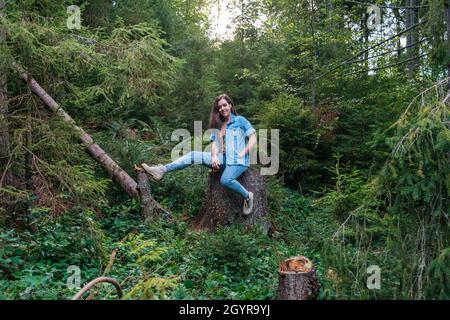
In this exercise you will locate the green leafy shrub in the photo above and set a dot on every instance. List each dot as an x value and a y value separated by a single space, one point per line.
298 138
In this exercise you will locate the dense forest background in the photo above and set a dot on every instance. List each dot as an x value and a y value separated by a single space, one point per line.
364 173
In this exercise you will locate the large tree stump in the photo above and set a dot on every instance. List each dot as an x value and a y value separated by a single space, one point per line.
297 280
222 206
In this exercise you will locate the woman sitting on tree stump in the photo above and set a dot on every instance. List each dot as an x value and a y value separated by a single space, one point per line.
229 151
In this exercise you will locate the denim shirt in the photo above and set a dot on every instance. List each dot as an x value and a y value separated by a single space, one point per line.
236 132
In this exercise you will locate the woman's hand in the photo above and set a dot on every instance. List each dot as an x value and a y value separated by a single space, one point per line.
215 162
249 146
214 159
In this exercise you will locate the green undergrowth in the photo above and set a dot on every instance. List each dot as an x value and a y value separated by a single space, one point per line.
160 259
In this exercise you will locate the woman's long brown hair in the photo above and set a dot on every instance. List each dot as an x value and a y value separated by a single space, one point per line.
215 118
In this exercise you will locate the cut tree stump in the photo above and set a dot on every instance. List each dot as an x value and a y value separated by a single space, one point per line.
297 280
222 206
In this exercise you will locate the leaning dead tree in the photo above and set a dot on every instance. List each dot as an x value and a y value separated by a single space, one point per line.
297 280
117 174
222 206
150 208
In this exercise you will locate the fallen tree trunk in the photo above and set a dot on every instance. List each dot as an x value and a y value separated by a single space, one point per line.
297 280
222 206
116 172
150 208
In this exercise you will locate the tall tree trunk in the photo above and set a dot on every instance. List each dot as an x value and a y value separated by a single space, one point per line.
117 173
365 39
412 19
398 29
333 26
408 35
447 10
314 55
6 177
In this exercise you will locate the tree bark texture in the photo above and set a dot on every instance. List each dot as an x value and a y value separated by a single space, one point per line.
150 208
297 280
222 206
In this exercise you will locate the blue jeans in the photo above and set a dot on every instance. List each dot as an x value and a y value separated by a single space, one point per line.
230 172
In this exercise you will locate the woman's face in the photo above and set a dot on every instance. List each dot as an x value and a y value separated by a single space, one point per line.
224 108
